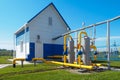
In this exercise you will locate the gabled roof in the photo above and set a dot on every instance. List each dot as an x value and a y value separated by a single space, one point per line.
40 13
44 9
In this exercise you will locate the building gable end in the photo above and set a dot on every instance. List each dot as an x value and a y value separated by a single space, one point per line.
55 10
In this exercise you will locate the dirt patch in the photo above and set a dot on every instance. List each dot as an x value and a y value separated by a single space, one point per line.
85 71
78 71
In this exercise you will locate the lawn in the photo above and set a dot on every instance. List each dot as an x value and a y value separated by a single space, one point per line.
65 75
49 72
4 59
112 63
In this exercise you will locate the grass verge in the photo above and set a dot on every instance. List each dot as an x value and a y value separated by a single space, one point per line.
50 72
112 63
4 59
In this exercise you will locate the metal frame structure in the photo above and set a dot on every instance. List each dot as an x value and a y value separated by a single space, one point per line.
95 25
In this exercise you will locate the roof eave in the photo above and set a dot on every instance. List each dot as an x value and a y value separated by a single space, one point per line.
21 28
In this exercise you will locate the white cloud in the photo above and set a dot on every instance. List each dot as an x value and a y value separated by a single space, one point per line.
115 37
105 38
101 39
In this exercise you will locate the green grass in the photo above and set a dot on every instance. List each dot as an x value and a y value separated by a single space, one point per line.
4 59
27 69
49 72
64 75
112 63
115 64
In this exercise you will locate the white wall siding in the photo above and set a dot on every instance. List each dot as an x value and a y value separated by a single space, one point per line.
27 49
39 26
25 52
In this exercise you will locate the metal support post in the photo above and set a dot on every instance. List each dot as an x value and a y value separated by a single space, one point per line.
21 63
34 62
108 44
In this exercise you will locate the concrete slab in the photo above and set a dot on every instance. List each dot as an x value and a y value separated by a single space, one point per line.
4 65
19 62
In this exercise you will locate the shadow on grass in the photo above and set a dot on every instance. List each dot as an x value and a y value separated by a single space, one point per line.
28 71
99 61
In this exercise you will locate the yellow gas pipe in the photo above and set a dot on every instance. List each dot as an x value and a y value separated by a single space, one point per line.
73 65
95 49
18 59
40 59
65 47
80 37
55 57
79 44
64 64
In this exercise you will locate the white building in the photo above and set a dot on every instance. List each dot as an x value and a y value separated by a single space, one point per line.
34 39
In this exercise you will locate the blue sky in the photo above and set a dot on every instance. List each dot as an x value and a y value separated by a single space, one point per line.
15 13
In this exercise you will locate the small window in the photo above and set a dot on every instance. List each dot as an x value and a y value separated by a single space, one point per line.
50 21
21 46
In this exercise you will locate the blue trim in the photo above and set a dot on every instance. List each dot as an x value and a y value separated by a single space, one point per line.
27 29
20 36
32 52
44 9
20 33
52 49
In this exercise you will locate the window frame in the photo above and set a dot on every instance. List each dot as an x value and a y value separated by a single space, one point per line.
50 21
